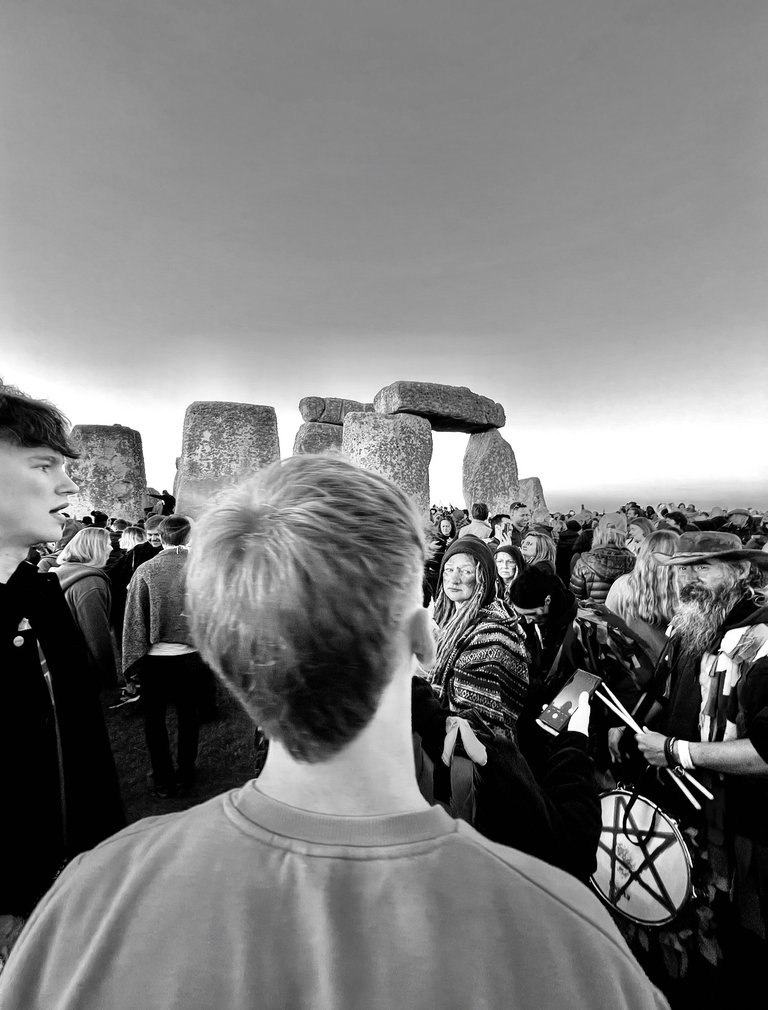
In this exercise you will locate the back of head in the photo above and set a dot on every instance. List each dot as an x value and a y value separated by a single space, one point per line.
131 537
651 593
296 583
534 585
100 519
28 423
118 525
90 546
174 530
480 511
153 522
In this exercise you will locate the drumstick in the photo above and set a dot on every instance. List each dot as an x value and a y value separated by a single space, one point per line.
619 708
624 715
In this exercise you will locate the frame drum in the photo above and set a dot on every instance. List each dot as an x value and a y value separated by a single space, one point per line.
643 864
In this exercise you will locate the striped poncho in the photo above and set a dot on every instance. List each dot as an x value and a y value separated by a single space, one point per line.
487 670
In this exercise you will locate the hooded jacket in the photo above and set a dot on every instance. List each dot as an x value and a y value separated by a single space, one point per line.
596 571
87 592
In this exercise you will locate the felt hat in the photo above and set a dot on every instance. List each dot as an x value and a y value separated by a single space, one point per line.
738 512
710 545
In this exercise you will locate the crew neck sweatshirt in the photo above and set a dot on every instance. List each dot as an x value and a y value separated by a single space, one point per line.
244 901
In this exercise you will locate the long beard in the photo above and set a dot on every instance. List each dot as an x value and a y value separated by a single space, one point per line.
698 619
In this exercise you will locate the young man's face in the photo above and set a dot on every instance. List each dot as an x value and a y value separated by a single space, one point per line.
521 518
33 491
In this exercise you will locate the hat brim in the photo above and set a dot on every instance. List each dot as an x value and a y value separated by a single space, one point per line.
759 558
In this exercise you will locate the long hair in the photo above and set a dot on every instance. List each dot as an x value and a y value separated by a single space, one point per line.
652 588
608 536
90 546
453 623
546 549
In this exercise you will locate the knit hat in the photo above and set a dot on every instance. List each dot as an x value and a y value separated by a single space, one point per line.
531 588
475 549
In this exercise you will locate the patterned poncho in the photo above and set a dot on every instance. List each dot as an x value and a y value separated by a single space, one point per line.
487 670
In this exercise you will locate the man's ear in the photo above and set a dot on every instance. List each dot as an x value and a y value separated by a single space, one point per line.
421 637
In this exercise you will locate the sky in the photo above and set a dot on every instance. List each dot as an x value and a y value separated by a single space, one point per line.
562 204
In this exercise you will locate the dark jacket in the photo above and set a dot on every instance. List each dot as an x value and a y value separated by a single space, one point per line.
33 842
87 592
120 575
565 547
596 571
555 817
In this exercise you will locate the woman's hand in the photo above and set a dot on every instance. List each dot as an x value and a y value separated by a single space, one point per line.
614 742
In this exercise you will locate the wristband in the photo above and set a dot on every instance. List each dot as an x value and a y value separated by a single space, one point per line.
684 750
669 754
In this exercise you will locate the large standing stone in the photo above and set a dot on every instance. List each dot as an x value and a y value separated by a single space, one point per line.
329 409
447 408
398 447
222 443
489 473
315 437
530 491
110 472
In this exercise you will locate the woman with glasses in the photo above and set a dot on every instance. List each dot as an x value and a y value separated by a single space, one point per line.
481 662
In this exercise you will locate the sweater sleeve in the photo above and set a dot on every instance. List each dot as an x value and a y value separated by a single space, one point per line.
136 625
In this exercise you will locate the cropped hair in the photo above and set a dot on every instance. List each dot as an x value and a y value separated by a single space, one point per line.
118 525
174 530
608 536
131 537
90 546
546 549
652 588
480 510
152 522
296 581
517 505
29 424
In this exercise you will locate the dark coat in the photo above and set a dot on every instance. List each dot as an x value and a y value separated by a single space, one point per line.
555 817
34 842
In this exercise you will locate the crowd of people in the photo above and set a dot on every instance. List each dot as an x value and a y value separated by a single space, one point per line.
416 835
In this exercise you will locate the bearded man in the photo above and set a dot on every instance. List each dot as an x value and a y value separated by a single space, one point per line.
716 718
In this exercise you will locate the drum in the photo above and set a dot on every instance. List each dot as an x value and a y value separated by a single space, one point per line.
643 864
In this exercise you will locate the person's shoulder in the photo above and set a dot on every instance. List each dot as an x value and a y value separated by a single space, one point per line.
556 894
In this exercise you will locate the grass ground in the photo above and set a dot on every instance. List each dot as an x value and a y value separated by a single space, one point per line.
225 758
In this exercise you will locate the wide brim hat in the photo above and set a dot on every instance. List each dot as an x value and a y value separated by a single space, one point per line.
712 545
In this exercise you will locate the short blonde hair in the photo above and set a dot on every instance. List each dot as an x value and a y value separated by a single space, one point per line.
90 546
295 581
131 537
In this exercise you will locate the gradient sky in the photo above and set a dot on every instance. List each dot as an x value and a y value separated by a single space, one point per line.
559 203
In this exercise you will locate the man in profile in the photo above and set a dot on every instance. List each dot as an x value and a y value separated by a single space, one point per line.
329 882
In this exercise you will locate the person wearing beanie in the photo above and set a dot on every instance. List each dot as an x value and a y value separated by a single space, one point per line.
481 662
509 564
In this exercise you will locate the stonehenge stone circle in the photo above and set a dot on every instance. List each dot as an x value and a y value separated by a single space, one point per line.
110 472
530 491
447 408
222 443
397 447
489 472
329 409
314 436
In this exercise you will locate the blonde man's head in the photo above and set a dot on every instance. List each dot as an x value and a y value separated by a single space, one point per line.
296 583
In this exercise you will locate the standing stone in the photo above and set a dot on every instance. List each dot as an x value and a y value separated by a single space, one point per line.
110 472
315 437
222 443
447 408
329 409
530 491
398 447
489 473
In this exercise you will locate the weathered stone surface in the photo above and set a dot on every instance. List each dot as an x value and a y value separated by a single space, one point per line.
489 472
330 409
223 443
315 437
398 447
110 472
447 408
531 493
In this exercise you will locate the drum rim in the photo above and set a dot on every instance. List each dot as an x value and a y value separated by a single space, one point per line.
688 860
